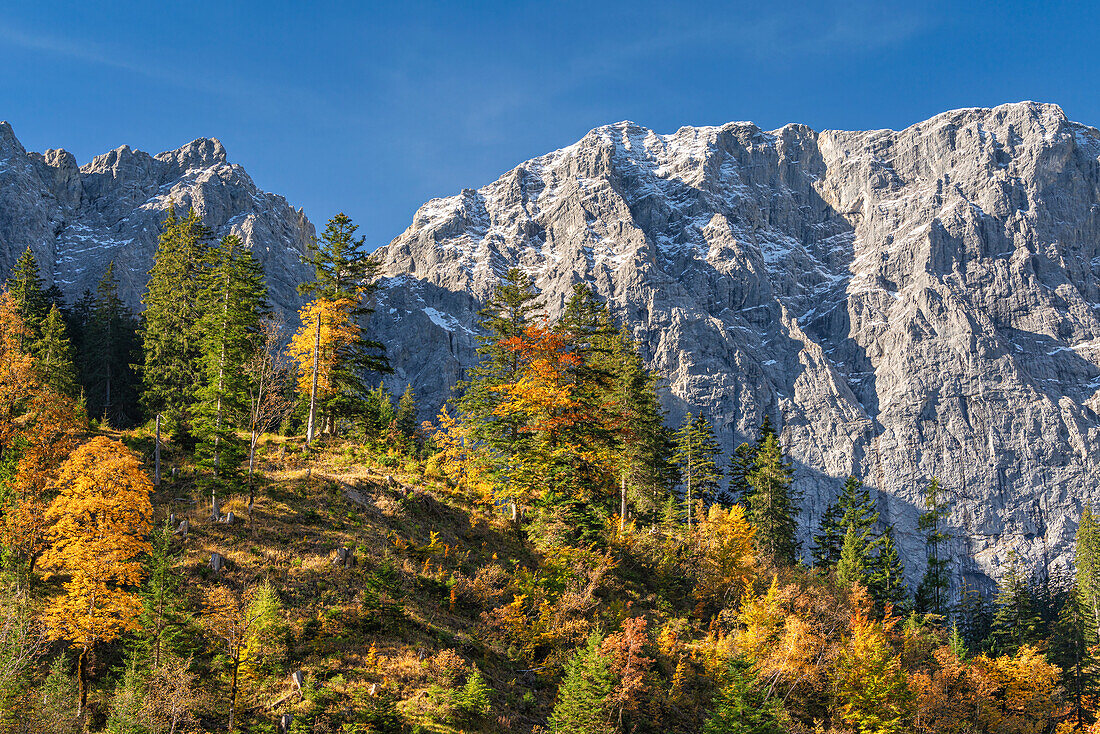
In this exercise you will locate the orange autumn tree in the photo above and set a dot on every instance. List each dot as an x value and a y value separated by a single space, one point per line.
566 465
872 688
320 347
38 428
99 523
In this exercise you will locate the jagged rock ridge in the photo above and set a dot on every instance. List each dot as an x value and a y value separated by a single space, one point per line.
77 220
905 304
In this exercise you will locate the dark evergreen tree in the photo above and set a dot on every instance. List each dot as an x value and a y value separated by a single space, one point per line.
932 592
975 619
887 574
170 333
1073 649
742 462
644 451
773 502
1015 621
54 355
742 705
852 566
378 412
854 507
233 301
109 349
343 269
405 416
581 706
1087 563
696 456
25 286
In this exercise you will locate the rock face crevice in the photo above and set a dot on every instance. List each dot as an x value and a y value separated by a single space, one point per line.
77 220
905 304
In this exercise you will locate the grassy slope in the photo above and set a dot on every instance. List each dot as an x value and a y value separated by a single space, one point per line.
411 535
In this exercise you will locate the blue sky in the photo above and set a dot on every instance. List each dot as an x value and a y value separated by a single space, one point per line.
373 108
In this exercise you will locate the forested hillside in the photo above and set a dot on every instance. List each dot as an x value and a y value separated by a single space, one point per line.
213 520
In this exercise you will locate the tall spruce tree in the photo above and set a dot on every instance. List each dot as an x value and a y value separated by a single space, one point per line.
854 507
109 349
932 592
742 461
343 269
974 618
1015 620
513 306
1073 649
582 703
54 355
773 504
233 300
887 574
643 450
170 331
405 416
1087 562
851 568
696 455
25 286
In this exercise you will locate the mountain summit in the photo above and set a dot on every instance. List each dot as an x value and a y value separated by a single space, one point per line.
904 304
77 220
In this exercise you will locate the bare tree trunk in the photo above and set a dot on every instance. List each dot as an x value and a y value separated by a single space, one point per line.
233 690
313 390
81 676
157 454
622 512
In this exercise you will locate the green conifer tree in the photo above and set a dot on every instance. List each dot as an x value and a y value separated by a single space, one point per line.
109 349
581 705
887 574
406 414
513 306
742 461
1073 649
1087 562
852 566
773 502
344 269
854 507
233 301
1015 621
25 286
696 455
643 448
164 619
742 705
54 355
932 592
171 335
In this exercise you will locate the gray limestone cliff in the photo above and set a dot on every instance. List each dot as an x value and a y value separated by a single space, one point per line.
77 220
905 304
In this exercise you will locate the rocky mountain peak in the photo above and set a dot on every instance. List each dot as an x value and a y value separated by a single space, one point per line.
904 304
77 220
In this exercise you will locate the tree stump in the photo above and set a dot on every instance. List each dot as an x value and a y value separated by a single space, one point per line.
217 562
229 518
284 723
297 679
184 526
344 557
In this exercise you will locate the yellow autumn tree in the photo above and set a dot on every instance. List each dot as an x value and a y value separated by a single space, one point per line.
98 527
872 688
38 429
725 554
327 334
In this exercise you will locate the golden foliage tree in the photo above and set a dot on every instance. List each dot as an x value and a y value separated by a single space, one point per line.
319 347
725 554
38 429
871 686
98 527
